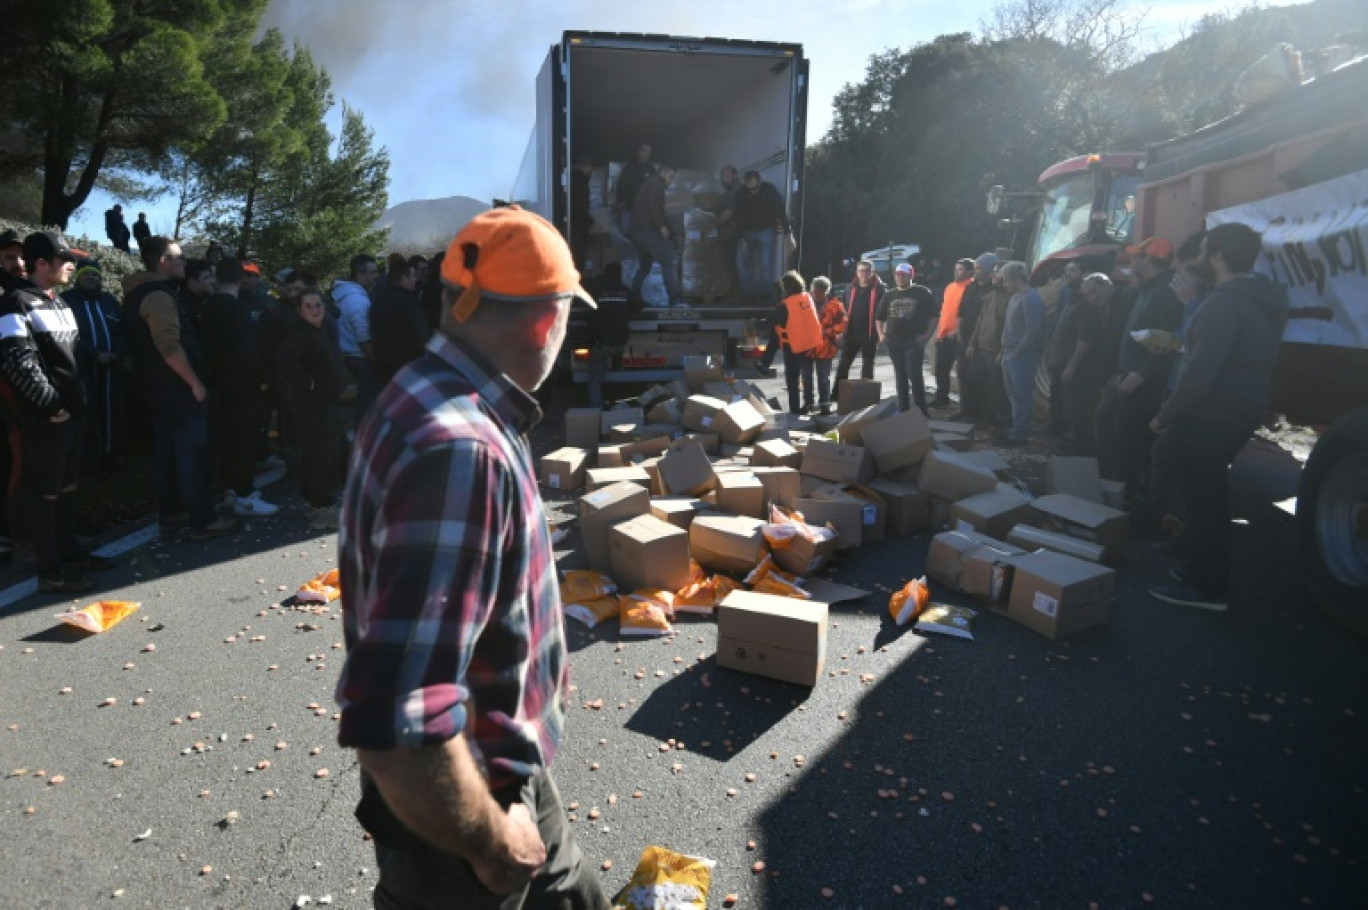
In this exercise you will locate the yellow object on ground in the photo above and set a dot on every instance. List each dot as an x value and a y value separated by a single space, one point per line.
100 616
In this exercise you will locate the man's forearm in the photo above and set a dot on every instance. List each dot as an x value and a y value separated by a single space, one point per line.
438 793
180 365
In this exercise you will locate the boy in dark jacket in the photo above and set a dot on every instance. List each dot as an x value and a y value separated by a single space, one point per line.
99 350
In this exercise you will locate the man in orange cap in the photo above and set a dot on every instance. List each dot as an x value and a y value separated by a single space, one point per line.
456 671
1132 398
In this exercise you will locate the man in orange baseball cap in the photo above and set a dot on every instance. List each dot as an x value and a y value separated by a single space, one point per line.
456 666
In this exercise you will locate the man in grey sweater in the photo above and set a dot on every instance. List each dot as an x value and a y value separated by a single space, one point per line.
1223 388
1023 344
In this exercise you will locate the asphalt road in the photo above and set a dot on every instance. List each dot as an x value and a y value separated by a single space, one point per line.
1173 758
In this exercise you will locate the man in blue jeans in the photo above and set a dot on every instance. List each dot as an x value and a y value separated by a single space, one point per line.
1023 344
906 318
761 219
653 238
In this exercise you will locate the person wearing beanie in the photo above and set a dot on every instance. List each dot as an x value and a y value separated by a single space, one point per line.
99 353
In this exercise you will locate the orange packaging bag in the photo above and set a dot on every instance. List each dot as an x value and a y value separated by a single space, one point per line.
100 616
321 590
909 601
646 612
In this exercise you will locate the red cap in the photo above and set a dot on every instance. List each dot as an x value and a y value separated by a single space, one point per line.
510 254
251 268
1157 247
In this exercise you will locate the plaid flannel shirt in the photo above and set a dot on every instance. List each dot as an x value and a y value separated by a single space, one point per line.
452 612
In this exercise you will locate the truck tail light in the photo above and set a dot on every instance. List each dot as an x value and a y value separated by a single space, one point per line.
750 353
581 355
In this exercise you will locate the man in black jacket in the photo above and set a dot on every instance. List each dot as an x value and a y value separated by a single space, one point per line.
974 393
1223 388
98 352
654 240
399 327
42 397
762 221
862 332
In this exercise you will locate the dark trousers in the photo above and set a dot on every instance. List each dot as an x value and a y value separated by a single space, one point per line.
49 464
363 371
1149 506
105 387
1124 438
241 419
323 447
417 876
730 242
822 367
771 347
1059 421
1203 450
181 461
946 349
865 347
1079 400
907 356
983 391
798 370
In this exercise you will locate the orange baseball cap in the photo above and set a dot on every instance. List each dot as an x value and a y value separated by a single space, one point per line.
510 254
251 268
1157 247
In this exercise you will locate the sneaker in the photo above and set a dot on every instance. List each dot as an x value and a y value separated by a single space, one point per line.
1185 595
64 582
825 409
324 518
254 506
216 528
270 463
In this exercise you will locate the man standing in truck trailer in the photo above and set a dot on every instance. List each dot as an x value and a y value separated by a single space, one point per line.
1223 390
653 238
762 221
634 174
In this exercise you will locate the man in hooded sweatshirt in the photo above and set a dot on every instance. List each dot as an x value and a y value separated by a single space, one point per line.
1223 388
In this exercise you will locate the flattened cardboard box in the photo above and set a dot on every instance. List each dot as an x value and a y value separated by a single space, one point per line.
782 485
778 637
646 552
700 411
776 453
583 428
1058 596
835 461
948 477
853 394
619 417
898 441
727 543
598 478
993 513
679 511
978 566
1085 520
686 471
741 493
852 425
1076 475
738 423
564 468
600 510
908 507
1031 539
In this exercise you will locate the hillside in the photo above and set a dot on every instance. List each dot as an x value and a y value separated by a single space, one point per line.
427 225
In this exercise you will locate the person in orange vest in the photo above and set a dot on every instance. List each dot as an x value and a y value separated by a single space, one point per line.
947 341
801 335
832 314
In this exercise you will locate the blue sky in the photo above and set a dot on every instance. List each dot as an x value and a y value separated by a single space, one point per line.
447 85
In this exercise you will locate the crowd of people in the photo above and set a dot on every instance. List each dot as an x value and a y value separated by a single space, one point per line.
232 380
1162 386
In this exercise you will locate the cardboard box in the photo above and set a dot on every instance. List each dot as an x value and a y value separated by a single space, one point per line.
1090 521
564 468
803 556
600 510
698 375
975 565
782 485
700 411
1076 475
686 471
727 543
598 478
951 478
583 428
609 456
739 423
952 442
619 417
852 425
667 411
898 441
652 468
709 441
853 394
679 511
835 461
993 513
741 493
637 452
778 637
735 452
951 426
647 552
624 433
1058 596
653 396
986 458
908 507
1031 539
1114 493
720 389
873 510
775 453
846 515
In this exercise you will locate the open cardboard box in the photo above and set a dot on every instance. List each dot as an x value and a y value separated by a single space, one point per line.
602 509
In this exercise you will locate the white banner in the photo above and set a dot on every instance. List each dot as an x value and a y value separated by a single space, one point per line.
1315 244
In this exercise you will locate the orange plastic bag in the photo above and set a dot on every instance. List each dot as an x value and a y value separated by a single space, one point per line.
321 590
906 604
646 612
100 616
